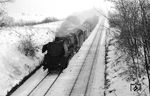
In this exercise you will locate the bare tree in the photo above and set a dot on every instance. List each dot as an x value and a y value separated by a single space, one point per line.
145 23
132 19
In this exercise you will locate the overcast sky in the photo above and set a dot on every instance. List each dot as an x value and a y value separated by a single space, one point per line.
32 9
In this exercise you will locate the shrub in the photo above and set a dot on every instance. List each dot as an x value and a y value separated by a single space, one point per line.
27 47
115 20
6 21
49 19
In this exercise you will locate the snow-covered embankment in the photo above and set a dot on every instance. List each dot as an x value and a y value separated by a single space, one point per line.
15 60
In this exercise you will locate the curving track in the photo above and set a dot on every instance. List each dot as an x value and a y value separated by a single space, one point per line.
45 84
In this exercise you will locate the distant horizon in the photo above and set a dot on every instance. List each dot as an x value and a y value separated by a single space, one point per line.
38 10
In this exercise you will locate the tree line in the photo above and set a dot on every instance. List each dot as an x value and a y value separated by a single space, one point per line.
132 18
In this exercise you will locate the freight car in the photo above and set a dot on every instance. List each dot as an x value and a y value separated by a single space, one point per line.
62 49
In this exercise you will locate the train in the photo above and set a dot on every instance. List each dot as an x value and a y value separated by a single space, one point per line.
63 48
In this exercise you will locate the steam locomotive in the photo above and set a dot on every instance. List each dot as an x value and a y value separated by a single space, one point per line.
61 50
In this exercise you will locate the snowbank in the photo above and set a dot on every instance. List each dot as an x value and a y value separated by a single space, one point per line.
14 64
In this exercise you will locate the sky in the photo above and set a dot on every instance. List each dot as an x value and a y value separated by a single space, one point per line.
37 9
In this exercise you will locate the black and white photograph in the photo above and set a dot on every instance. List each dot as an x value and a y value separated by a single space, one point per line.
74 47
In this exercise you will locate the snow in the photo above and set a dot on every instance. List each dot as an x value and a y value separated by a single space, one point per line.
30 83
14 65
53 26
118 85
66 80
44 86
97 88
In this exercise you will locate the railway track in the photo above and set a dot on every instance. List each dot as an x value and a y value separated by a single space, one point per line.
80 85
44 85
30 87
82 81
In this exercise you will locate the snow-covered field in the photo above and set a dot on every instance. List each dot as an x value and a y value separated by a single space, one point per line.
14 63
53 26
